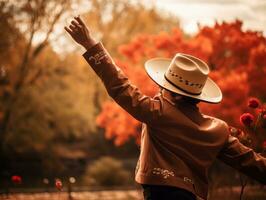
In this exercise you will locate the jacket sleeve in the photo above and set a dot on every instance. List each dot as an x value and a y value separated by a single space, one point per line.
118 86
243 159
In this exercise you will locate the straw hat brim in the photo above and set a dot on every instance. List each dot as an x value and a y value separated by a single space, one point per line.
156 69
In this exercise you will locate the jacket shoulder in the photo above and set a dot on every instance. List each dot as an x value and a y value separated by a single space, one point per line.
220 127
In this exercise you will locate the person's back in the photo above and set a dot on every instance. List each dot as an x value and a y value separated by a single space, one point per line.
179 146
178 143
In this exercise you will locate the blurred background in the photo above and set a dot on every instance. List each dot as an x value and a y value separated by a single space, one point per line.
60 133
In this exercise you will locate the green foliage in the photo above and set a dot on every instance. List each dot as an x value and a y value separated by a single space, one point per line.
59 106
107 171
52 100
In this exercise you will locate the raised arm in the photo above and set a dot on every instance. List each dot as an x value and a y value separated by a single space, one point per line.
244 159
128 96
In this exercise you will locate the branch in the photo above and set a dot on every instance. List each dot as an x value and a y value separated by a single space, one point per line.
36 76
44 43
26 56
23 68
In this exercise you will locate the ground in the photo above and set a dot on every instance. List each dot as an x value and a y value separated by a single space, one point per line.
251 193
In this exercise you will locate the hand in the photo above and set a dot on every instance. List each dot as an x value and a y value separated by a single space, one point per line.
80 33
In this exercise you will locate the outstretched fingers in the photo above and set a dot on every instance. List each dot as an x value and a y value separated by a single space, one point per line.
79 20
72 27
68 30
75 23
75 27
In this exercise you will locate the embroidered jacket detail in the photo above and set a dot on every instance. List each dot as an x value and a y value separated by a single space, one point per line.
164 172
98 57
186 179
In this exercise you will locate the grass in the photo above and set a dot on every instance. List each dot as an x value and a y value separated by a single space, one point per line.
251 193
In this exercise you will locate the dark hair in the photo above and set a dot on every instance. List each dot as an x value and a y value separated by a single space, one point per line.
179 97
185 98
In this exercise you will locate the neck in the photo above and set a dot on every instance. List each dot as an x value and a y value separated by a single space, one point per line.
179 99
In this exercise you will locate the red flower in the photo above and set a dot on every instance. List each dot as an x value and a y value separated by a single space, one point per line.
261 110
253 103
246 119
16 179
58 184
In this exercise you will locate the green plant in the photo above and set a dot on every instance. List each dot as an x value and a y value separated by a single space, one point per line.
106 171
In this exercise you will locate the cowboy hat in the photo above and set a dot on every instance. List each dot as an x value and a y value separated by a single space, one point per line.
185 75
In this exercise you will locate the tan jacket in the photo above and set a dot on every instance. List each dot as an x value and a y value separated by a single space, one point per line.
178 143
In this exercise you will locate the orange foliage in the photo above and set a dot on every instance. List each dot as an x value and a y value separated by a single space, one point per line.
237 60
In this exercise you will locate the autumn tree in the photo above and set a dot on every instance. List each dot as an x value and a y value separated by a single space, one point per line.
32 16
49 101
23 22
237 59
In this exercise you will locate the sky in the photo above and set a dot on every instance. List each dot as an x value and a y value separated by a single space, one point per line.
206 12
192 12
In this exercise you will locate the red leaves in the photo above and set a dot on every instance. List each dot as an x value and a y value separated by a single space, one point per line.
235 92
16 179
115 121
163 41
237 59
247 119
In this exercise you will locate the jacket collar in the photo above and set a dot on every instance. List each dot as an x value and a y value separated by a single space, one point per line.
190 111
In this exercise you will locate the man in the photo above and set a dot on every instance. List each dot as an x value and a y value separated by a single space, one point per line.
178 143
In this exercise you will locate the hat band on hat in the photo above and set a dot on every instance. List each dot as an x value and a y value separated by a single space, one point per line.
182 89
